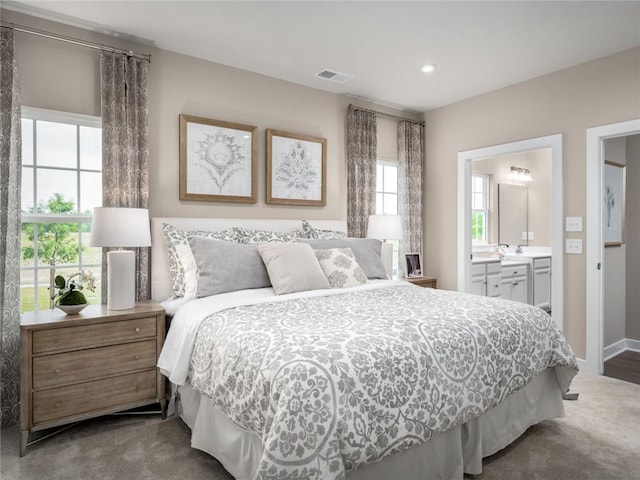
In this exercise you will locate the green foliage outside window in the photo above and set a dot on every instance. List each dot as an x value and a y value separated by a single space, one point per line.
477 227
56 244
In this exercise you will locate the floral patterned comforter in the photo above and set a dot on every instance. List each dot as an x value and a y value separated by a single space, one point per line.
332 383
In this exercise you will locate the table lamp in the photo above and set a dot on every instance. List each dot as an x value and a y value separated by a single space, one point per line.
385 227
120 227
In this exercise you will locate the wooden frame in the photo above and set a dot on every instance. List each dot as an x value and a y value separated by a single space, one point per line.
296 169
218 160
413 263
614 204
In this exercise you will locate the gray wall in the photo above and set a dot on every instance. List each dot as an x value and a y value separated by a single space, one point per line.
65 77
633 239
568 101
614 265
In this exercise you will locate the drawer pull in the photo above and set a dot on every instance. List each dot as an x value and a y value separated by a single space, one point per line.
137 357
57 370
137 329
58 404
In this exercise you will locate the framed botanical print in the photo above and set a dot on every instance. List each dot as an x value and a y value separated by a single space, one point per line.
614 204
218 160
296 169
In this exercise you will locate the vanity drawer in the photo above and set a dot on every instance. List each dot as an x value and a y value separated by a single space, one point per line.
542 262
493 267
84 336
57 403
477 269
83 365
514 271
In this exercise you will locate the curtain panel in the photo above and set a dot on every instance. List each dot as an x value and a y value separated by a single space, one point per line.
361 169
125 148
410 158
10 168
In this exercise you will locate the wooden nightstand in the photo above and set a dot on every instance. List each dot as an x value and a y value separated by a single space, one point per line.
75 367
427 282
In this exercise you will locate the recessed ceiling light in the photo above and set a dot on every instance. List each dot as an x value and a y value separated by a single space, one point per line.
428 68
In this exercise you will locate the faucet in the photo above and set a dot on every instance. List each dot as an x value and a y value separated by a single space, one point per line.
519 249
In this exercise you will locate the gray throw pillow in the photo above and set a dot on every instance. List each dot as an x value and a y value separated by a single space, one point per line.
292 267
366 251
227 267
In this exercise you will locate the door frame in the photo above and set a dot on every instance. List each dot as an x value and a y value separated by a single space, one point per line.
554 142
594 245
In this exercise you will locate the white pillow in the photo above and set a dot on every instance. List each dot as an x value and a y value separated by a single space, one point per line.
292 267
340 267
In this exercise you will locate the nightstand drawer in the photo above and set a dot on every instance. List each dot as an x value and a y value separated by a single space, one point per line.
82 398
85 336
83 365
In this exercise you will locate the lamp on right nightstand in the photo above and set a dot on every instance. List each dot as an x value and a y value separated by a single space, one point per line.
385 227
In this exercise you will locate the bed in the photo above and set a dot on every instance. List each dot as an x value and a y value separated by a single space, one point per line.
357 379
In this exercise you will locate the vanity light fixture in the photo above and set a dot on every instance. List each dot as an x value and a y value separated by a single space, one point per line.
428 68
520 174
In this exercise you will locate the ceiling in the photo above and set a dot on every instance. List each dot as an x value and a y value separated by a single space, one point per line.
476 46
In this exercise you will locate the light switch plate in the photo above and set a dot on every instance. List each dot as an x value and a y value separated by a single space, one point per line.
573 224
530 236
573 245
524 235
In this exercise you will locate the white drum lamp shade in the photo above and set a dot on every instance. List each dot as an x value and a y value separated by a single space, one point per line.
118 227
385 227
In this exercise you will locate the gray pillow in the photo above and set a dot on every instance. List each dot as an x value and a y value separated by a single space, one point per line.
292 267
227 267
366 251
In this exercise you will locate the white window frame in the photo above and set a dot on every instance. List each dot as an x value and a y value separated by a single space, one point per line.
484 211
386 163
78 120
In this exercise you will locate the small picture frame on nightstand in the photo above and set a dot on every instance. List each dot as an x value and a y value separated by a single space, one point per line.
414 265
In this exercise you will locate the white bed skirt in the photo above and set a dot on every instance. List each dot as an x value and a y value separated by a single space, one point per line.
448 456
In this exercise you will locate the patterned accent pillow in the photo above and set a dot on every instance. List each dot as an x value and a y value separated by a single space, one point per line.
317 233
340 267
252 236
182 266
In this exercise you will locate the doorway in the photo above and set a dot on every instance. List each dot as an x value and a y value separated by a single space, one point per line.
594 238
465 159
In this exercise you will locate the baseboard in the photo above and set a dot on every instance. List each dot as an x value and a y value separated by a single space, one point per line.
619 347
633 345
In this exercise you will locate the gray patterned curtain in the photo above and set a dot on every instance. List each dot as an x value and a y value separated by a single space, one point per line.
410 158
361 169
10 169
125 148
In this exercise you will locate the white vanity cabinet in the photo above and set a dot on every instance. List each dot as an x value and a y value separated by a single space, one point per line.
514 282
541 291
486 278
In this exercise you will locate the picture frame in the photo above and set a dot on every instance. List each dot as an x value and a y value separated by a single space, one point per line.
218 160
413 265
296 169
613 210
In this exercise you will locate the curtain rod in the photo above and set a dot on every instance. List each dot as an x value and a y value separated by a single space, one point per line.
75 41
355 107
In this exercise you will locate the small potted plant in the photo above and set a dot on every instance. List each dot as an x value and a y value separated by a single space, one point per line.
67 295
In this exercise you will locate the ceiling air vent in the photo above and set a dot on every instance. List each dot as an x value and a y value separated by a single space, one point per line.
334 76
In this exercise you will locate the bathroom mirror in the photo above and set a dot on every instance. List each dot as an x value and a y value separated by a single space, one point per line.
512 214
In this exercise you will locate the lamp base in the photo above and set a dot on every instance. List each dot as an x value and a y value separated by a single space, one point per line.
386 255
121 280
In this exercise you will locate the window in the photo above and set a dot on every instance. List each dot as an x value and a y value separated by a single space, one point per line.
61 183
386 188
387 198
479 208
